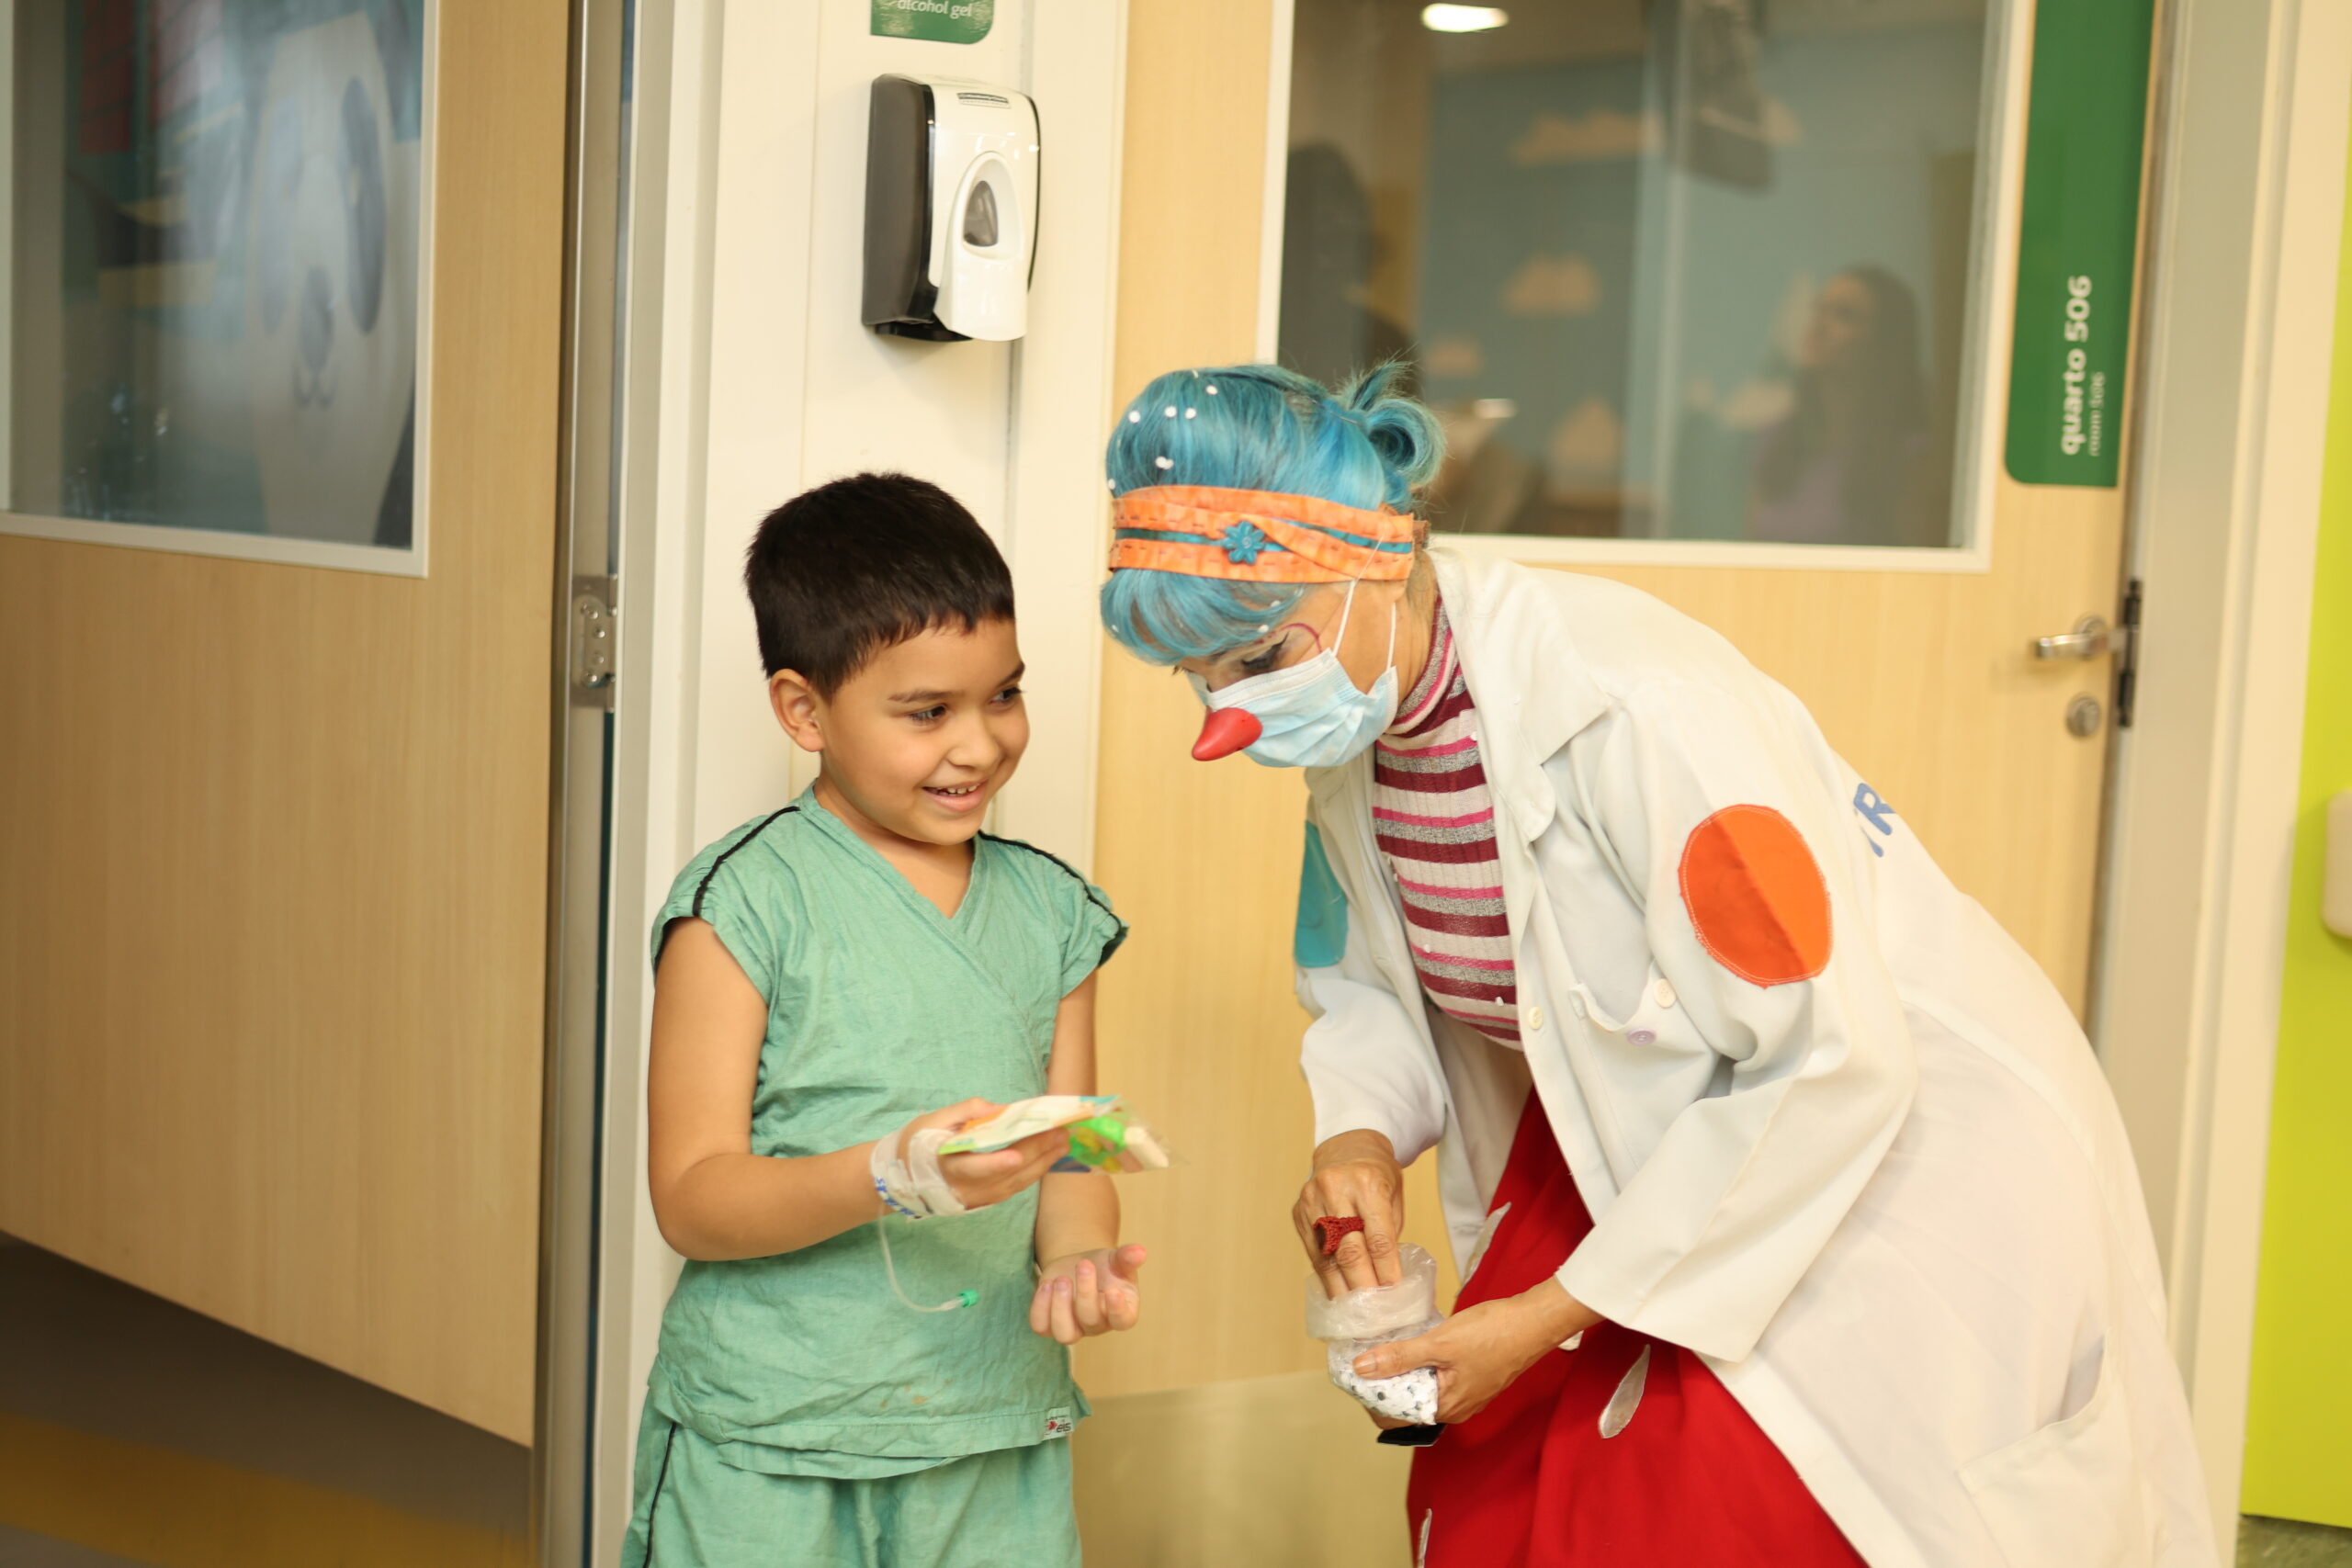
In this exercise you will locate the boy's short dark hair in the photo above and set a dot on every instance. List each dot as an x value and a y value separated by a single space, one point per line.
841 572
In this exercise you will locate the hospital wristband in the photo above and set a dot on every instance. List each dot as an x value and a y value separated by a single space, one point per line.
882 1191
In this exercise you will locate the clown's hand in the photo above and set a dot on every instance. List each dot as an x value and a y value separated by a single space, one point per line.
1356 1176
1481 1351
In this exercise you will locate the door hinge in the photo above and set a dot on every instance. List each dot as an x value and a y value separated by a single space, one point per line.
596 640
2127 656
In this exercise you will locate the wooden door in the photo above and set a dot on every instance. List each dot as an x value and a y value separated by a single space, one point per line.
1215 1421
1924 683
274 836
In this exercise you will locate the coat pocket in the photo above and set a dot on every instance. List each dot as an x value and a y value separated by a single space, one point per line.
2069 1494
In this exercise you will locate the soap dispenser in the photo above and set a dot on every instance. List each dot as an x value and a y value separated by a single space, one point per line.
950 210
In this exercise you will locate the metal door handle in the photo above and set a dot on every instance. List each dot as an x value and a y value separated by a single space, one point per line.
2087 640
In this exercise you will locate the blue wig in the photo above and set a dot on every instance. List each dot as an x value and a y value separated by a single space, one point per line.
1255 427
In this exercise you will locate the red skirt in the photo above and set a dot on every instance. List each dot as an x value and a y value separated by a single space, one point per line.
1530 1482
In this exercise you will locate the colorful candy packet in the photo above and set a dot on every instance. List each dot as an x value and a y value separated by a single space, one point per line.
1102 1135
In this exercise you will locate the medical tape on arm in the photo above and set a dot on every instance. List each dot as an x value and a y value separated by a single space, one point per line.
907 1174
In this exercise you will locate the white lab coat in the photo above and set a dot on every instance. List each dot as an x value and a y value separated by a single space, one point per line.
1892 1206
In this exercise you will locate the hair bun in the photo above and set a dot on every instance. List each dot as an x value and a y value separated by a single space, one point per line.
1410 442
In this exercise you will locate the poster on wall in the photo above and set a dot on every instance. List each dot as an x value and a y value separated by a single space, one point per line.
2086 126
215 210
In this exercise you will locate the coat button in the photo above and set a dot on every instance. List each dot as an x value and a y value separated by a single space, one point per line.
1535 1018
1662 991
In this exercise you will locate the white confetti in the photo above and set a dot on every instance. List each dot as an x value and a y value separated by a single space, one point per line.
1191 413
1171 410
1164 462
1212 391
1628 1397
1133 417
1409 1397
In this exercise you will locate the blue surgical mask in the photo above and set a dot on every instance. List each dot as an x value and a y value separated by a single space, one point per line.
1310 714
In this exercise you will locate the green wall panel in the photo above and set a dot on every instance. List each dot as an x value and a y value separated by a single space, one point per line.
2298 1433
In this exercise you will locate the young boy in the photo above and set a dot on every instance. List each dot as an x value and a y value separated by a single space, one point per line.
825 975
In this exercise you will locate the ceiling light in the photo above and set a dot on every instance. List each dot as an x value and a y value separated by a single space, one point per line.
1463 18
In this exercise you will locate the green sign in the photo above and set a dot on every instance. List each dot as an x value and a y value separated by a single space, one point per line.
947 21
2083 129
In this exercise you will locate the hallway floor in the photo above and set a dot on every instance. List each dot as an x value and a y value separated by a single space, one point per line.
137 1434
2282 1543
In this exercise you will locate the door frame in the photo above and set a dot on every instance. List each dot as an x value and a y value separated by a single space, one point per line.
2238 334
611 54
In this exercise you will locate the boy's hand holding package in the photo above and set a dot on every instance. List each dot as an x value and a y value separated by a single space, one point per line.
990 1176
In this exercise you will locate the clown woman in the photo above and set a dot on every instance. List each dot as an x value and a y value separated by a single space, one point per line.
1796 1220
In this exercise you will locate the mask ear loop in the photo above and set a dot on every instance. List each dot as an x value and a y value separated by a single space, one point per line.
1347 608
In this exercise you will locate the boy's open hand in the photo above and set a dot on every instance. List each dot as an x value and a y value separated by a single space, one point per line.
1088 1292
984 1179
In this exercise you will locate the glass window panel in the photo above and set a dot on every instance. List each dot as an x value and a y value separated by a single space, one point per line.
213 215
1685 269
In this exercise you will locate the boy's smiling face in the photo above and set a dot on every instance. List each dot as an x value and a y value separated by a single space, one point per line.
920 739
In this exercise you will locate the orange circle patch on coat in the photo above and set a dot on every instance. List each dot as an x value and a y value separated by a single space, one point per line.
1756 896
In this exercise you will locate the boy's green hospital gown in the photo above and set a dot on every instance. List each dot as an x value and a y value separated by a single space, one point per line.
798 1412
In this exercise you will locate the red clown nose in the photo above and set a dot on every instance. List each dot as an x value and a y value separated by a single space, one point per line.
1223 732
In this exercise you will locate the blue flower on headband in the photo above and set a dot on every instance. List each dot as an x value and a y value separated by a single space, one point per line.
1244 543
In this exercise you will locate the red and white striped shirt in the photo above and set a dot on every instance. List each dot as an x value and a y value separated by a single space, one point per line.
1435 821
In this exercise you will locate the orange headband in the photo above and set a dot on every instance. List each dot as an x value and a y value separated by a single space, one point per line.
1255 535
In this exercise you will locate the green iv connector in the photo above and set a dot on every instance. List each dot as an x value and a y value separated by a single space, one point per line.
967 1298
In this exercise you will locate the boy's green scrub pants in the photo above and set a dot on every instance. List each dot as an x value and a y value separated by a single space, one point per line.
1009 1508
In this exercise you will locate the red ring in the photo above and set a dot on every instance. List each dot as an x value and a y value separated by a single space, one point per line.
1331 1229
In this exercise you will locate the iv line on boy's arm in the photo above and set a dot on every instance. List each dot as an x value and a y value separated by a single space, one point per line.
908 1179
963 1298
1096 1135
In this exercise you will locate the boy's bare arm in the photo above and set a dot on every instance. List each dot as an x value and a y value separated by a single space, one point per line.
1075 1213
1087 1281
713 1198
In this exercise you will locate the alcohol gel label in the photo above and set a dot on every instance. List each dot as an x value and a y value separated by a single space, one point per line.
2086 123
946 21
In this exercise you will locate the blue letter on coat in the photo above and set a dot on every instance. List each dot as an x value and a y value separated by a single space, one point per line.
1875 812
